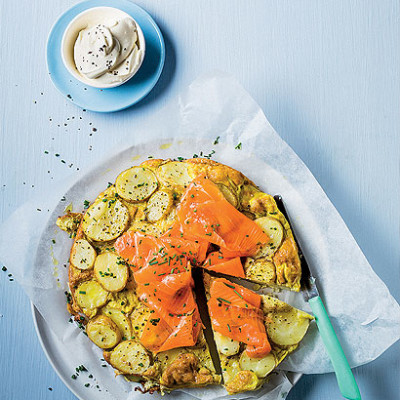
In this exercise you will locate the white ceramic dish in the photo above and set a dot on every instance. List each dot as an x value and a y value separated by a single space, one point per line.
58 353
93 15
55 353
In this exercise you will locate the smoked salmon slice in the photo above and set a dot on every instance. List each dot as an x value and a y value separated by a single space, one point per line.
237 295
205 214
161 335
162 271
175 320
218 263
173 295
235 312
144 250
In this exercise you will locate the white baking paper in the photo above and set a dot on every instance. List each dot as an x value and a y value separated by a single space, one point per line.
364 314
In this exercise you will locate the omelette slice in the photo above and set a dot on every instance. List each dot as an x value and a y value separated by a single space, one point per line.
253 333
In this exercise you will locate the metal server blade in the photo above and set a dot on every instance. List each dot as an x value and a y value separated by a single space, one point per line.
308 282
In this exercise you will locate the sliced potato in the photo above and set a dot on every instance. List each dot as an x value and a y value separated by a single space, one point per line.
130 357
111 271
125 300
83 254
120 319
247 193
260 270
260 366
226 345
165 358
103 332
105 219
230 367
262 204
136 184
90 295
228 194
286 325
159 205
147 228
280 353
274 229
139 317
174 174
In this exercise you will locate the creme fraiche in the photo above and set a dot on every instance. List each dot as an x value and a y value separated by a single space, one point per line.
103 47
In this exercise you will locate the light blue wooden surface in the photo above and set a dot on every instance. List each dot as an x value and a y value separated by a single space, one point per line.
326 74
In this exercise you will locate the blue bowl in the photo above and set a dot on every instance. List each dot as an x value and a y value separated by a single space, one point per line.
112 99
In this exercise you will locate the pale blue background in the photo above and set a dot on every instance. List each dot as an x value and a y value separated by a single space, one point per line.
326 74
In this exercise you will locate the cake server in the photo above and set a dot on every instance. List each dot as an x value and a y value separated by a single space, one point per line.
345 378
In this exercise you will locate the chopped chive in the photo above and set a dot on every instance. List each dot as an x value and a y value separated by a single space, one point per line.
222 299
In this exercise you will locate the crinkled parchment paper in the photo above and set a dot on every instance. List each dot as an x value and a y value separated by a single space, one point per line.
364 314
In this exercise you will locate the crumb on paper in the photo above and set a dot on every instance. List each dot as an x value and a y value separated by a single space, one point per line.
53 259
106 171
68 208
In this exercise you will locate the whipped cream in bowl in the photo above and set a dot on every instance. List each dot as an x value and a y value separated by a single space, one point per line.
103 47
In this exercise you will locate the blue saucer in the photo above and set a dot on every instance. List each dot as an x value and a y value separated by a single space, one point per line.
113 99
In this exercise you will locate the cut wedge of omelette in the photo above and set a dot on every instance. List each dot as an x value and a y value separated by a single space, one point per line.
253 333
130 273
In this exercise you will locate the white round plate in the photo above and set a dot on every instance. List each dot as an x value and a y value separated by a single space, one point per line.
93 182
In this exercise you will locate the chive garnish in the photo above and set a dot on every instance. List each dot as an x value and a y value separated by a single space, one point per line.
222 299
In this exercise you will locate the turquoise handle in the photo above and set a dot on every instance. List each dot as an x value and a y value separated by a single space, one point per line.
347 384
